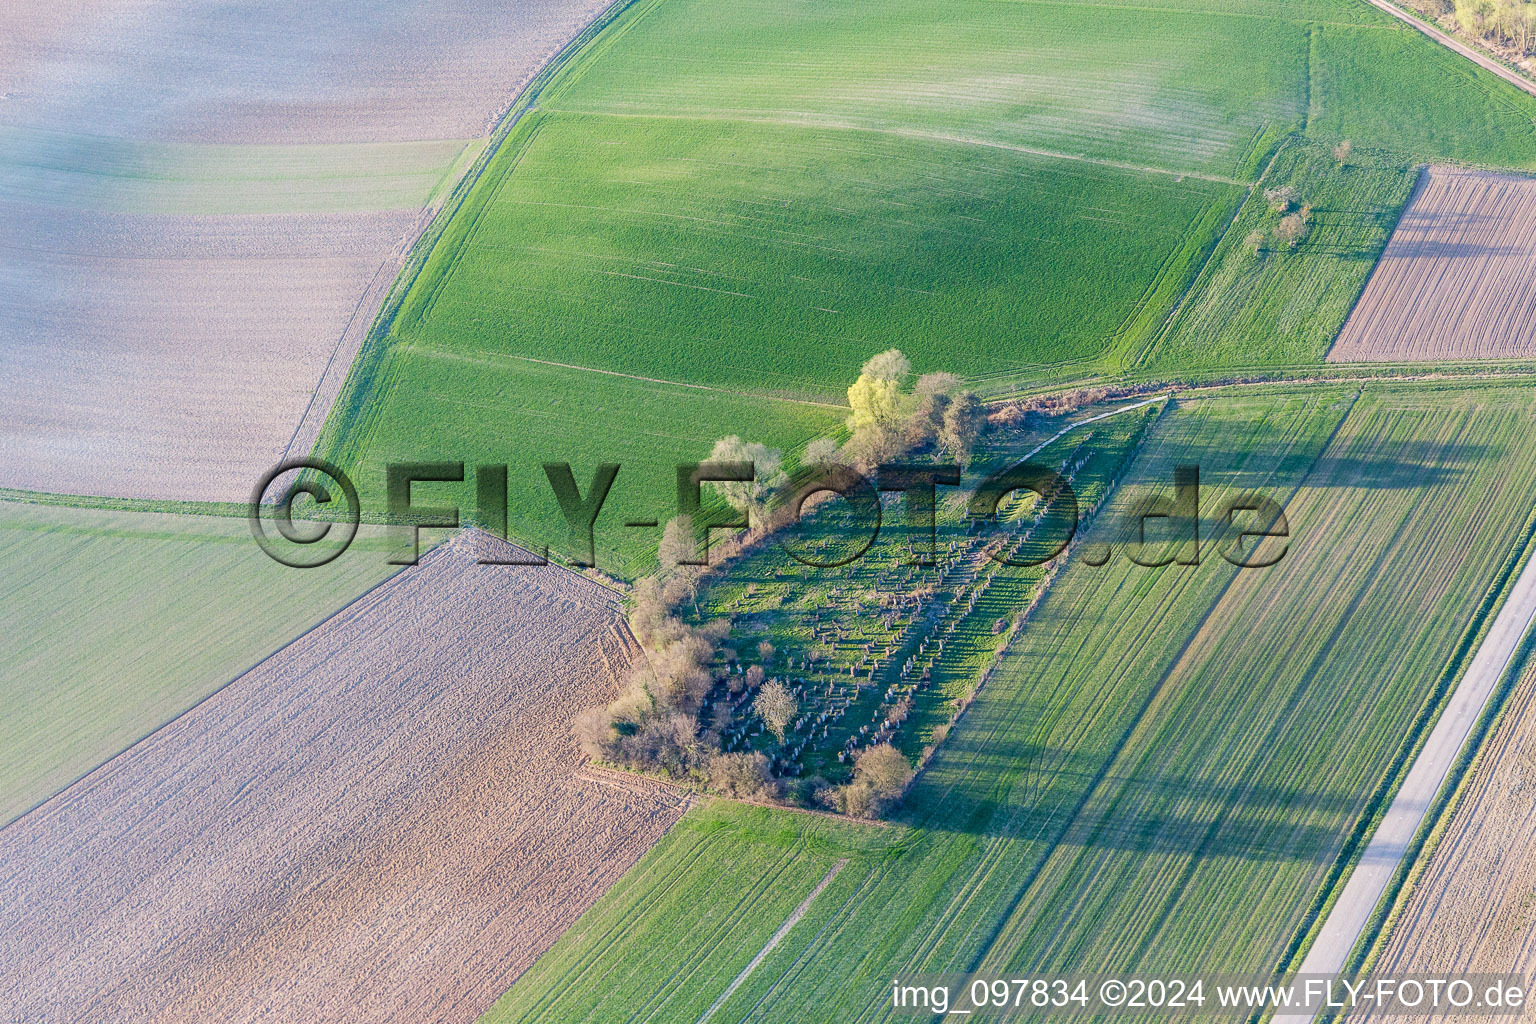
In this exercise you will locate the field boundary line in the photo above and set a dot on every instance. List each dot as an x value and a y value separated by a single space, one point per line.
778 936
908 133
490 359
1481 60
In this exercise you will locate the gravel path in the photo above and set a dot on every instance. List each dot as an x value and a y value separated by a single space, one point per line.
385 821
1368 881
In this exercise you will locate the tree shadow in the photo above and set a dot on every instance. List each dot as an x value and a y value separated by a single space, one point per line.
1153 815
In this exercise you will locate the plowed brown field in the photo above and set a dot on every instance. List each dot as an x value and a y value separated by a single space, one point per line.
1457 279
202 207
1474 908
385 821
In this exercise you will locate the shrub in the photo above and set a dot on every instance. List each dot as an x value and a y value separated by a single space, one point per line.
1280 198
744 776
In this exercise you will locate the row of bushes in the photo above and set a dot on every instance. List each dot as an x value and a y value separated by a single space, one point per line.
655 724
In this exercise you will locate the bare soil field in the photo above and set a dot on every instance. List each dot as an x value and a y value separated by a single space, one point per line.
311 140
1474 907
385 821
1458 277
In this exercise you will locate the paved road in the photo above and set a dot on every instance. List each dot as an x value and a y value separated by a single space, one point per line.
1386 849
1481 60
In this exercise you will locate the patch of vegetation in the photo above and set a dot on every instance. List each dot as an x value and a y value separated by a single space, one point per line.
1162 771
825 676
1289 269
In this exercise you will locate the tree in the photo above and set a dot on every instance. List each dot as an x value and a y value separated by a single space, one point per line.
885 769
744 776
822 452
776 706
1254 243
927 420
677 544
876 403
1342 151
1280 198
963 420
876 398
767 466
888 365
1293 227
1478 17
936 384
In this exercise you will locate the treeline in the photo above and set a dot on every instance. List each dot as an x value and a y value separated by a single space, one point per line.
664 720
1509 24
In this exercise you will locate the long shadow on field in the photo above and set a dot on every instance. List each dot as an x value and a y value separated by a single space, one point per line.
1410 464
1031 795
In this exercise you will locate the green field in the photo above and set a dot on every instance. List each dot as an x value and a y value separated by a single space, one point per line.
1274 306
115 622
1165 769
776 259
756 197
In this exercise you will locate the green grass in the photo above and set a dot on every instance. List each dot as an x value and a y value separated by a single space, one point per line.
1275 306
1395 89
1167 765
444 406
659 247
116 622
1152 87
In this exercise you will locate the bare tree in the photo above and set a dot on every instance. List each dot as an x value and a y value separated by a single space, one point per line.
822 452
1342 152
885 769
1280 198
776 706
963 421
767 468
1293 227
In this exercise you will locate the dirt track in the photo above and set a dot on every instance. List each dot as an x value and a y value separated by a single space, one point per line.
1371 875
1458 277
1474 908
386 821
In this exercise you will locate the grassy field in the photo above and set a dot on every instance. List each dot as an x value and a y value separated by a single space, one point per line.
756 197
1266 304
499 409
116 622
1166 766
777 259
1366 81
